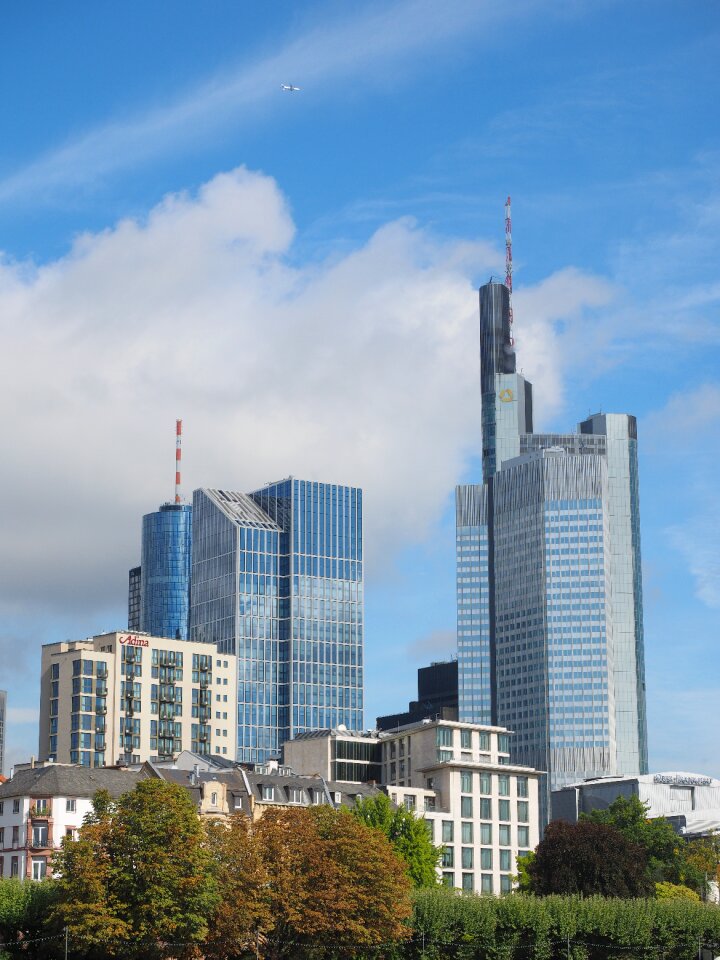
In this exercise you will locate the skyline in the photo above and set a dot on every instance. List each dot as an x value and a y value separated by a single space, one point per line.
182 239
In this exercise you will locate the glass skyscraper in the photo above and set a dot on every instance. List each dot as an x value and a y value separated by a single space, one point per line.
277 579
159 589
550 631
3 710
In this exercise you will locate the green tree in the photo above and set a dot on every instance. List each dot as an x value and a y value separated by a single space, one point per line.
588 858
667 852
407 833
24 909
139 878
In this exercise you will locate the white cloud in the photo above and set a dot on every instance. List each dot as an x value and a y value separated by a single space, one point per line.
22 715
360 370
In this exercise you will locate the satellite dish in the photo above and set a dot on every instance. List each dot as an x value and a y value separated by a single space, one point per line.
341 728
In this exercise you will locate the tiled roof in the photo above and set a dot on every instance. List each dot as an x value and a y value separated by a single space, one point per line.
66 780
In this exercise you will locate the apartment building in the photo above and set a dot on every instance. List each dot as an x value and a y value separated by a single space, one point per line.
479 807
41 804
129 697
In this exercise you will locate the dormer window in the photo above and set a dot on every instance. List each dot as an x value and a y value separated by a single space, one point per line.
267 791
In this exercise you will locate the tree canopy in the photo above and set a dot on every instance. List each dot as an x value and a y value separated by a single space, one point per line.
588 858
407 833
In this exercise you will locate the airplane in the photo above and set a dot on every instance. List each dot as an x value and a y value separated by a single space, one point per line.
288 87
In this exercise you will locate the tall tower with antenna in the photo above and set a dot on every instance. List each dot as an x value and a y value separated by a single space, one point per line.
508 262
159 589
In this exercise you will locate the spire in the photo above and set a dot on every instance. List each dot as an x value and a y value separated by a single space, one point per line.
508 261
178 458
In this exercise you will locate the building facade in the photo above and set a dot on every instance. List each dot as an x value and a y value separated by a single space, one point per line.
159 589
437 697
121 697
43 803
277 580
550 629
479 807
3 723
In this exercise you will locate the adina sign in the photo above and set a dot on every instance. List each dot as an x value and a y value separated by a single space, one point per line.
132 641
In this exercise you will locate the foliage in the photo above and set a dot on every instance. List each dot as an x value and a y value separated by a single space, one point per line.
139 876
243 875
667 852
453 926
407 833
333 881
675 891
523 878
588 858
24 908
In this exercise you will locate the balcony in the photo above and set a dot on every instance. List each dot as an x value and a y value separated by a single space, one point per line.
40 811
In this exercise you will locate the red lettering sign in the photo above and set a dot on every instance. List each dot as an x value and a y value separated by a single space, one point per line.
133 641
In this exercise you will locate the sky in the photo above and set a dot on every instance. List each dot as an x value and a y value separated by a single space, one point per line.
295 275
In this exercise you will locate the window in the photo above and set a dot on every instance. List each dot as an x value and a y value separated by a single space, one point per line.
16 806
2 807
467 881
523 836
448 879
505 883
467 858
523 811
503 743
2 866
522 786
447 831
429 803
484 741
267 792
466 739
486 858
467 832
486 833
466 781
213 798
504 834
504 810
2 836
448 857
485 808
466 807
70 805
485 783
410 803
444 736
39 868
15 836
40 835
14 866
486 883
504 785
430 827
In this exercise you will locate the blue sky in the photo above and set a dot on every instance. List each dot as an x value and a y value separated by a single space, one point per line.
294 275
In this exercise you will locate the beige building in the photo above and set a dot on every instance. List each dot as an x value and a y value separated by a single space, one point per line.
128 697
481 809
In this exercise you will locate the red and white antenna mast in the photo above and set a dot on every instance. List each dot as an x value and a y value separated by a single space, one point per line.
508 260
178 459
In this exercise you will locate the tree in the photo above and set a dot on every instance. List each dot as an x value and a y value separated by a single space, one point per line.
24 909
667 852
588 858
242 915
333 882
139 877
675 891
407 833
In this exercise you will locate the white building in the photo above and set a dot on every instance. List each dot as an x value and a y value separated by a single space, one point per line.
691 801
43 803
123 697
481 809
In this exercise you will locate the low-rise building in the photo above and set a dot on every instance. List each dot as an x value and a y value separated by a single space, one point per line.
42 803
686 799
481 809
128 697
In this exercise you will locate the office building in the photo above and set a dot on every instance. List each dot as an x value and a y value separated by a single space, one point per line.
43 803
277 580
437 697
479 807
159 589
3 721
550 631
121 697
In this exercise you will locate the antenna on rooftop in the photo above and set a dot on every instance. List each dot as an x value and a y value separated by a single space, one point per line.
178 458
508 261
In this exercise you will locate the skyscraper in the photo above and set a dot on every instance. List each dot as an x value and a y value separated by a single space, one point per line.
550 632
277 580
159 589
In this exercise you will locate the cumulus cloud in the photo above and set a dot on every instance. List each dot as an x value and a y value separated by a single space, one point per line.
359 370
